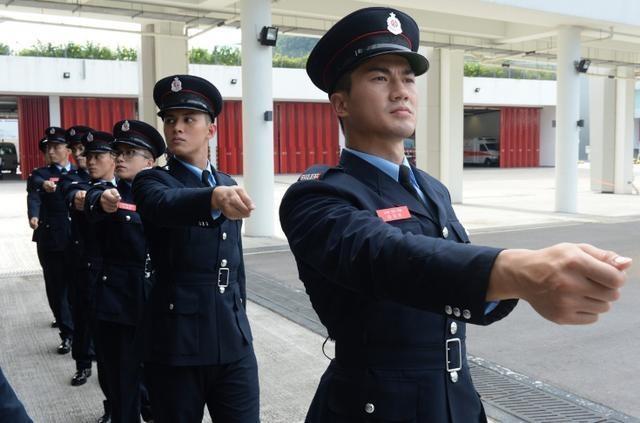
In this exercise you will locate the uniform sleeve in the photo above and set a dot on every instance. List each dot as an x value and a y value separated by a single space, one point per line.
241 274
356 250
33 199
11 409
164 205
92 208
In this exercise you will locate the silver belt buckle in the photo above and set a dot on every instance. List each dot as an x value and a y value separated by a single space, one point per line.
223 279
448 348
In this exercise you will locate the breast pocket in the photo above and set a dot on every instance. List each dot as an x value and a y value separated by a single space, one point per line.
176 326
374 401
407 226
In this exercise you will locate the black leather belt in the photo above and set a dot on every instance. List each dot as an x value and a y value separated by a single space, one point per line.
448 356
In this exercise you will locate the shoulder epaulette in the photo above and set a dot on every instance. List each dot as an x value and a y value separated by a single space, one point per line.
314 173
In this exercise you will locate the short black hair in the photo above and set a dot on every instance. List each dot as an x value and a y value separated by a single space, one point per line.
343 84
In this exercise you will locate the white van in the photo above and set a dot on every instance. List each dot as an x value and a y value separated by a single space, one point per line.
481 151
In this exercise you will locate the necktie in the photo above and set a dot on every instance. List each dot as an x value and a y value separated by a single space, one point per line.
205 178
405 181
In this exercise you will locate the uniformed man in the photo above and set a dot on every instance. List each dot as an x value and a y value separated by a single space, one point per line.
199 349
101 167
126 280
53 232
386 262
33 196
74 185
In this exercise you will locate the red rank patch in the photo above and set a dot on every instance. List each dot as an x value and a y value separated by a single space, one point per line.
127 206
54 179
394 213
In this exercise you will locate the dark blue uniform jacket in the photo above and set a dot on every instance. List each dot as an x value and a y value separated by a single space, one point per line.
394 295
124 282
191 321
53 231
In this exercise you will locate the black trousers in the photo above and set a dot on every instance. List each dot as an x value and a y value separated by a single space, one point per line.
123 369
82 349
56 280
230 392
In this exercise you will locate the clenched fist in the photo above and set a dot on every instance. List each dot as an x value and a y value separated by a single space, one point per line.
33 223
565 283
78 200
109 200
233 202
49 186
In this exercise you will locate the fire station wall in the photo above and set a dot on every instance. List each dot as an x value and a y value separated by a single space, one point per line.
304 134
33 119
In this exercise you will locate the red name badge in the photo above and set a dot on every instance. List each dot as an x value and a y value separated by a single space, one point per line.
394 213
54 179
127 206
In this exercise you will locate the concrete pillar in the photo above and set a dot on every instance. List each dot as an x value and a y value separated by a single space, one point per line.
257 131
162 54
431 160
451 121
54 111
602 117
567 115
421 135
625 110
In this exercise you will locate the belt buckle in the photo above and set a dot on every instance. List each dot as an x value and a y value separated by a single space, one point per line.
448 348
223 279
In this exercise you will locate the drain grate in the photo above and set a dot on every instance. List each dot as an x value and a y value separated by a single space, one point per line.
512 397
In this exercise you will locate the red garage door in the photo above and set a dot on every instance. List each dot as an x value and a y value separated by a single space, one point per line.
519 137
33 119
303 134
229 124
98 113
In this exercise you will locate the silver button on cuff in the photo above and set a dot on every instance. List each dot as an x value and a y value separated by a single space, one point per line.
466 314
453 376
369 408
223 263
445 232
448 310
453 328
456 311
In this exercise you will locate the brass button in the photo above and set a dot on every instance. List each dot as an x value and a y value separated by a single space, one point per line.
448 309
456 311
223 263
224 236
369 408
453 328
445 232
454 376
466 314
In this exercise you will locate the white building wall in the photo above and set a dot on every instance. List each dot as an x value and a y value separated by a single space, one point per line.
107 78
547 136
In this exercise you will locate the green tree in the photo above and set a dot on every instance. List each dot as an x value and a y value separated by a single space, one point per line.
4 50
294 46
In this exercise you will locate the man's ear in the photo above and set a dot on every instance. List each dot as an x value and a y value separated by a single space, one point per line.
212 130
339 102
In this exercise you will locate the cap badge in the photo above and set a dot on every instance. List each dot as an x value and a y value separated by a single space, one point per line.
393 24
52 131
176 85
125 126
72 132
89 137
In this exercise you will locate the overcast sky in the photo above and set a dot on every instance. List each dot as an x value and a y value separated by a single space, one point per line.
19 35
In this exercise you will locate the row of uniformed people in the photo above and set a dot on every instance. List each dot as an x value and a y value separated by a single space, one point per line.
194 336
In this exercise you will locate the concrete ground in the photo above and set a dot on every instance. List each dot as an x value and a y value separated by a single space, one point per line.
290 357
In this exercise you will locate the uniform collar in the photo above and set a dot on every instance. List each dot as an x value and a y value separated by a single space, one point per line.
67 167
386 166
197 171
